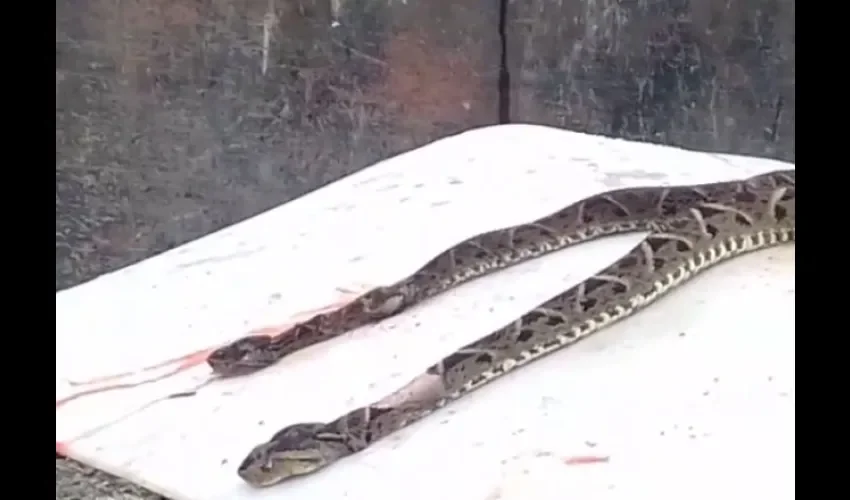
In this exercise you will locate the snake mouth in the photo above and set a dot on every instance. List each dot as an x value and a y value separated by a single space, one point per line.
260 480
263 477
231 368
224 366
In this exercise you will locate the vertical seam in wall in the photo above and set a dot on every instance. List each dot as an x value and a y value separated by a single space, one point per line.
504 75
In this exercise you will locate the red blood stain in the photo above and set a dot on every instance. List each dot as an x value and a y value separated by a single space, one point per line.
193 359
61 448
585 459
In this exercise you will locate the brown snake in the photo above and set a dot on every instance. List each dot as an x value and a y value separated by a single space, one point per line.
616 212
690 229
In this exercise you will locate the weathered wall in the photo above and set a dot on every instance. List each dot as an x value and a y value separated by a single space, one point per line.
714 75
169 128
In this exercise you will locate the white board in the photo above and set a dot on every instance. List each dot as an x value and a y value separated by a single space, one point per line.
701 381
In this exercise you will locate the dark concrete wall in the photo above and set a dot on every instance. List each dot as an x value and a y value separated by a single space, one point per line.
168 128
715 75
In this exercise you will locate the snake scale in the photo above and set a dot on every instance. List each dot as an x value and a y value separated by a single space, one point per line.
691 228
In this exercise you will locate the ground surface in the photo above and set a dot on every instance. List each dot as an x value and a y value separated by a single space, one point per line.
176 118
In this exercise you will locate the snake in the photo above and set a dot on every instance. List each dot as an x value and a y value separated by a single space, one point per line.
689 229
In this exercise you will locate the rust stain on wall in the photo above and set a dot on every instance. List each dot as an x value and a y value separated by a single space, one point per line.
430 84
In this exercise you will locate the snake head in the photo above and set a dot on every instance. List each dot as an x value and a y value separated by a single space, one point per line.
241 357
295 451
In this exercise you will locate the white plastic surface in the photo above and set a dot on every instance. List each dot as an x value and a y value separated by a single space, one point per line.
693 397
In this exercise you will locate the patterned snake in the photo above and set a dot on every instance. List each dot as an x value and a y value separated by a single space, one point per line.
690 229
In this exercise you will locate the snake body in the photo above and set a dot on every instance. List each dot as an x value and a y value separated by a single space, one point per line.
690 230
616 212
